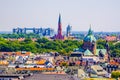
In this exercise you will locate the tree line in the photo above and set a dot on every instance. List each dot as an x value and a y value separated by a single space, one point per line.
39 46
44 45
29 35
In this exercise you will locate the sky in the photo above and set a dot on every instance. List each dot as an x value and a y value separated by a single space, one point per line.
103 15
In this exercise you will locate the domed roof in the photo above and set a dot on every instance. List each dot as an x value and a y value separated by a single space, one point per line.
90 37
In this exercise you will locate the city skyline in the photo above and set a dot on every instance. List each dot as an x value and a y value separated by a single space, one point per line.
103 15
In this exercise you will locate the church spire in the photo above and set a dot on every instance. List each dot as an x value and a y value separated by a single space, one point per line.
90 31
59 20
59 35
59 25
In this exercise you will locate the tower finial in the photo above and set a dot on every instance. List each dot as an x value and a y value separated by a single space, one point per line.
90 27
59 21
90 31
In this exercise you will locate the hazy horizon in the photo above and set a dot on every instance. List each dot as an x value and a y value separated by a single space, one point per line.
103 15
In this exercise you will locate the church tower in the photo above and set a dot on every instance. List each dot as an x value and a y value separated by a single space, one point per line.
90 42
108 51
59 26
59 35
94 47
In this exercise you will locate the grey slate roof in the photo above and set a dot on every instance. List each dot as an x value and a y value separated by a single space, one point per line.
49 77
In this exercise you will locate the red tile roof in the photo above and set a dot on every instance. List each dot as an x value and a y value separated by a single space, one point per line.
111 38
16 53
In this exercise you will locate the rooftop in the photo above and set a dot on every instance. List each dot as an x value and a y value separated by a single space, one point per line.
90 37
49 77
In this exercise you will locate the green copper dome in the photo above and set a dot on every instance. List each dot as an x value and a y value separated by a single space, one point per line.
90 37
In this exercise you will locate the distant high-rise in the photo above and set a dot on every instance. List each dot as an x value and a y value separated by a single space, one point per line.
59 35
69 28
41 31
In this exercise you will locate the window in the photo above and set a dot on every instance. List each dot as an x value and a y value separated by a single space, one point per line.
99 70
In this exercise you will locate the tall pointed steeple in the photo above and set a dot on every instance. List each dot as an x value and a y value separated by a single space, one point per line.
59 20
59 35
59 25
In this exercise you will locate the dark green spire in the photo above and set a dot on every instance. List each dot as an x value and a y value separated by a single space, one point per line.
59 20
90 31
90 37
